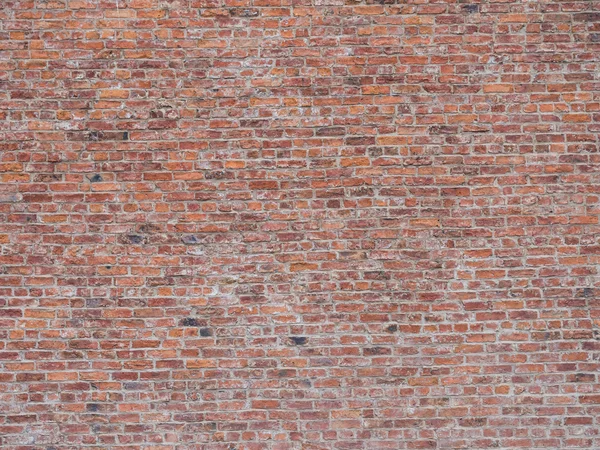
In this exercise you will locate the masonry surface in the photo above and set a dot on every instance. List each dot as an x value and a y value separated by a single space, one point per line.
299 224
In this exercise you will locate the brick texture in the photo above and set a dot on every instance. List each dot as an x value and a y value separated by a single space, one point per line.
299 224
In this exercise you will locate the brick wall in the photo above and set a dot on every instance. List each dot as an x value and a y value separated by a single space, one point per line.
299 224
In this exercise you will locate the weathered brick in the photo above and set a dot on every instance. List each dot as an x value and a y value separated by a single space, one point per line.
327 224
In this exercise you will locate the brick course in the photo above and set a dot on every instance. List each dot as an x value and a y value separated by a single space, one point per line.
307 224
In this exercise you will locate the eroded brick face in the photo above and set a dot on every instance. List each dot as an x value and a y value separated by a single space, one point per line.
299 224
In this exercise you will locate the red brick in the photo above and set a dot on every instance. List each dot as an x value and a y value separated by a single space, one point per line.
341 224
